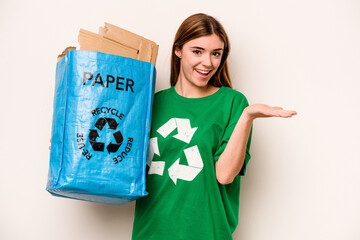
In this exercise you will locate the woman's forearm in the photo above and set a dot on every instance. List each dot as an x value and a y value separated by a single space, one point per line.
232 159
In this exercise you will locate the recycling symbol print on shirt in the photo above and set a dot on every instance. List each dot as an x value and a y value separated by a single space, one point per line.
192 154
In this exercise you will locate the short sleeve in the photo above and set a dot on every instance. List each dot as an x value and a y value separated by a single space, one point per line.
238 105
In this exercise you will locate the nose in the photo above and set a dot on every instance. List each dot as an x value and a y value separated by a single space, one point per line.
206 61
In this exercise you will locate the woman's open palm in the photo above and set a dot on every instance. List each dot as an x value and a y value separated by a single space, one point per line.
263 111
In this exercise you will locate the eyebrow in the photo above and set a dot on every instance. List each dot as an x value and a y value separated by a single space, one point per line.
200 48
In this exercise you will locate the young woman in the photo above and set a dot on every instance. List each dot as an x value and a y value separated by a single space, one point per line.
200 139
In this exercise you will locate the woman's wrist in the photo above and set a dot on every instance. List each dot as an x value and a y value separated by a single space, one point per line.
246 116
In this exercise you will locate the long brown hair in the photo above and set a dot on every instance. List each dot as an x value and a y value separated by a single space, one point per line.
195 26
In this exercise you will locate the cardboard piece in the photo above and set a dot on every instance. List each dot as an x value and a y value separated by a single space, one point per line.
115 40
146 50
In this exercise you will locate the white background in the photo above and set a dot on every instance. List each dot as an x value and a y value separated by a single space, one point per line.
303 180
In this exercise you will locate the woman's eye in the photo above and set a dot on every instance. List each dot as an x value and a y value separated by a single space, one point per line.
217 54
196 52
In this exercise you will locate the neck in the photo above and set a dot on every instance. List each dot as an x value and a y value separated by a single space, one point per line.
191 91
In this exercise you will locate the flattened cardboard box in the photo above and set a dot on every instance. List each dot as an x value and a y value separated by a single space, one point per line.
115 40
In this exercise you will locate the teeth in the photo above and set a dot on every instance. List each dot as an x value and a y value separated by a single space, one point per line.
203 72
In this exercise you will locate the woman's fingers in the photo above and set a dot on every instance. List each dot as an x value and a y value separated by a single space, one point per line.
277 112
287 113
264 111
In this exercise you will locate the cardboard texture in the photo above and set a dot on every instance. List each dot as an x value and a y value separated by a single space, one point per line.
146 50
115 40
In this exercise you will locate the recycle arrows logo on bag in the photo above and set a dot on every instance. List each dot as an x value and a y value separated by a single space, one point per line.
99 146
176 171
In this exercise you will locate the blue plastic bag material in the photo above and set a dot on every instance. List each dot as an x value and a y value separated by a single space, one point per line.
101 127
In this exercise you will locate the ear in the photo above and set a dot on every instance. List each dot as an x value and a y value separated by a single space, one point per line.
178 52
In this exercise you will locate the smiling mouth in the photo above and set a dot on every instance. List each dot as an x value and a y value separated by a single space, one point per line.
204 73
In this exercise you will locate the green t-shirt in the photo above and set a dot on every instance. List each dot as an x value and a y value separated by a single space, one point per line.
185 201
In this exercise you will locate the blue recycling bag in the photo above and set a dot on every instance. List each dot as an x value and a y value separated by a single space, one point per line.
101 127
